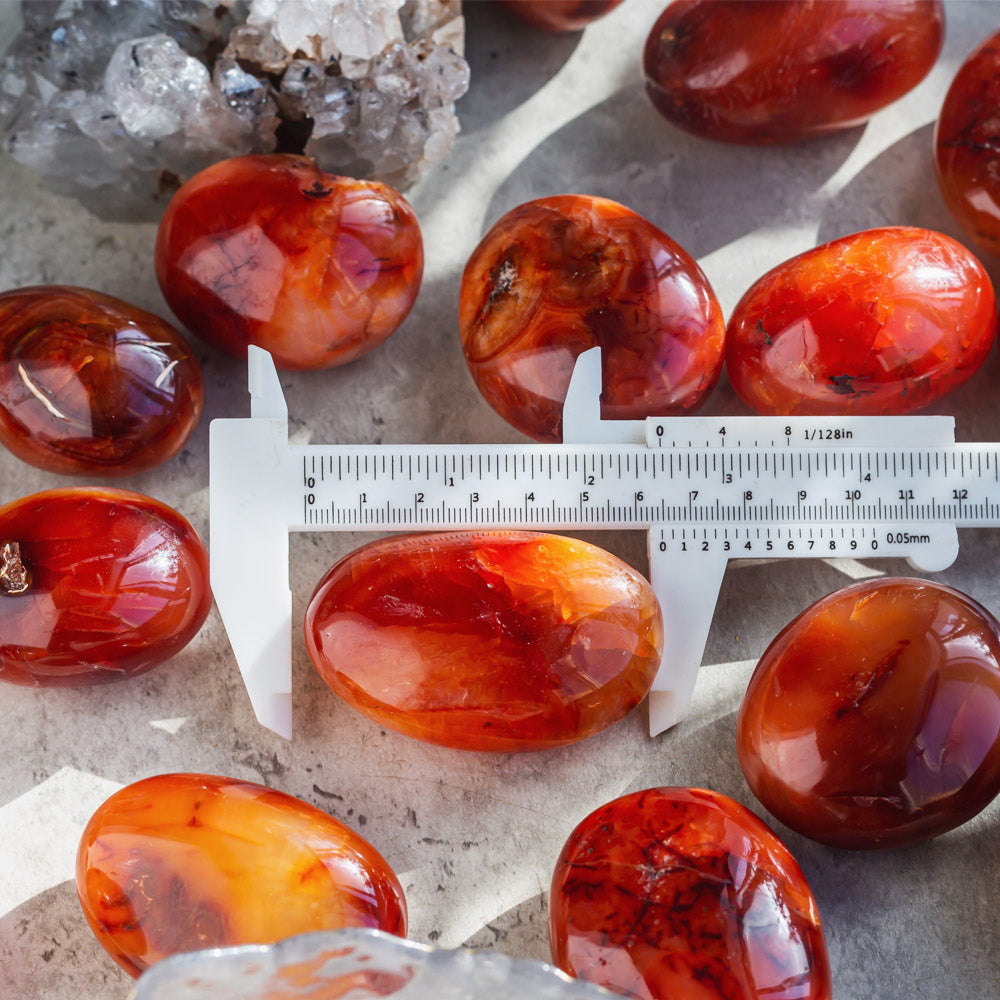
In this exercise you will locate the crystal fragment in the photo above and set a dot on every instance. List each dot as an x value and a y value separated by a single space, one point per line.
117 104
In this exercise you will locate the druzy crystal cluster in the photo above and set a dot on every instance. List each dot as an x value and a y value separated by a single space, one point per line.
118 101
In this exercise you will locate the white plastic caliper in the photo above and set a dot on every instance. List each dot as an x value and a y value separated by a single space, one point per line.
706 490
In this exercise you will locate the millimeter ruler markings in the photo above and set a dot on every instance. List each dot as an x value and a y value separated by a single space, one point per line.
705 489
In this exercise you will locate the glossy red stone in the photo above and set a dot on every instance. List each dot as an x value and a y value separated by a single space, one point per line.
557 276
96 585
182 862
684 894
967 146
873 719
270 250
560 15
779 71
884 321
497 641
92 385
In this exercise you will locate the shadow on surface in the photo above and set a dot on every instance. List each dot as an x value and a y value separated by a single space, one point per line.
508 61
703 194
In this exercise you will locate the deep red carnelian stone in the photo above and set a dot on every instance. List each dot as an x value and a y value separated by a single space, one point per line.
92 385
967 145
676 893
498 641
883 321
560 15
873 719
557 276
272 251
182 862
118 585
782 70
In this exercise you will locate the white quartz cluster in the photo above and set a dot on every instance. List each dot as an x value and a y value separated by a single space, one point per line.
119 101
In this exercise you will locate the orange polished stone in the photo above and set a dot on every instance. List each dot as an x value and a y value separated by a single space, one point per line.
270 250
182 862
560 15
557 276
499 641
873 719
684 894
96 585
883 321
92 385
967 145
782 70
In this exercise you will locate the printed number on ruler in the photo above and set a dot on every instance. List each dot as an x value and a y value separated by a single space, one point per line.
705 489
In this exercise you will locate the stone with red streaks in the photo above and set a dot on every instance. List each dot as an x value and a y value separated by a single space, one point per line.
91 385
684 894
557 276
884 321
488 640
96 585
183 862
967 145
779 71
873 718
269 250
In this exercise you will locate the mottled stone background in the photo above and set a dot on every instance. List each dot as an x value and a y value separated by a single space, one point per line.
474 838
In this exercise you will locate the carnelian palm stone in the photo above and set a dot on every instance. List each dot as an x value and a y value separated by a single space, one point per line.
96 585
783 70
269 250
883 321
967 145
181 862
677 893
91 385
491 640
557 276
873 719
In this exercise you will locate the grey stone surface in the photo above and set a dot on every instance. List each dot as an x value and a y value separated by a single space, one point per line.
474 838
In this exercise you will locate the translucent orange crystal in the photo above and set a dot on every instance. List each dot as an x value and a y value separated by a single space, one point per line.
180 862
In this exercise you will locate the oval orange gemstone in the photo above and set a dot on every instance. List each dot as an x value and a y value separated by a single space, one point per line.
783 70
500 641
270 250
884 321
967 145
181 862
557 276
96 585
873 719
92 385
684 894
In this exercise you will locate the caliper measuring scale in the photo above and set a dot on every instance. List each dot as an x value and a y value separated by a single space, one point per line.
705 489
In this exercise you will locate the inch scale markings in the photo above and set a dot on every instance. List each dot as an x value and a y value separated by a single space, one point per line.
705 489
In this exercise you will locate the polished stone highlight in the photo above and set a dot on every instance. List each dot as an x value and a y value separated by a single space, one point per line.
967 146
272 251
557 276
873 719
673 893
489 640
785 70
183 862
560 15
884 321
96 585
91 385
